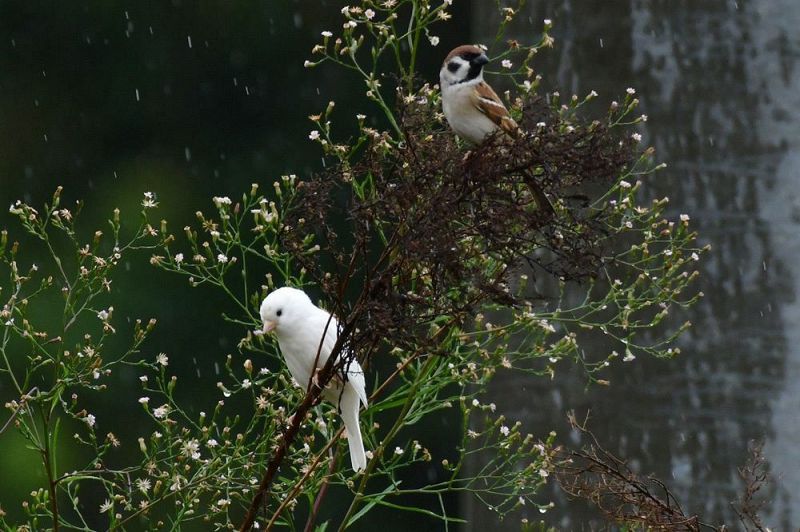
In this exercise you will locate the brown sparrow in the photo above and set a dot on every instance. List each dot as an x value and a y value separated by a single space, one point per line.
473 109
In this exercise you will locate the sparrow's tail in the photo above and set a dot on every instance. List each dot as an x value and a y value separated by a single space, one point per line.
348 408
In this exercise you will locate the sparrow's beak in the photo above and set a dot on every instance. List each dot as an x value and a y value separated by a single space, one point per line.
269 326
480 60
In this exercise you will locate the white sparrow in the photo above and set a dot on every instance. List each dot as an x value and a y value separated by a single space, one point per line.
473 109
301 327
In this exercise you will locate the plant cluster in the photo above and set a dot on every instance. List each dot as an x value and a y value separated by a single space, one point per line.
442 269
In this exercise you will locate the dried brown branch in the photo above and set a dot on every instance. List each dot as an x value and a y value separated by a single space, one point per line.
594 474
433 234
755 477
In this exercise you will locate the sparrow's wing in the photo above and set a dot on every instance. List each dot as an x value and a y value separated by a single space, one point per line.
488 103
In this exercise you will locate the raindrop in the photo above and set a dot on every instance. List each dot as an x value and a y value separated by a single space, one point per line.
138 99
127 266
127 16
36 102
601 42
187 153
247 90
45 137
216 368
115 175
764 265
151 29
235 82
13 43
44 73
189 40
298 20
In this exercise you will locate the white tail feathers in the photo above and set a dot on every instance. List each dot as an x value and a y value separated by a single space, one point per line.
348 408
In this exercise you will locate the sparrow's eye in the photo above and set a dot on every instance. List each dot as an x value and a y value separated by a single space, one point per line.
279 313
452 66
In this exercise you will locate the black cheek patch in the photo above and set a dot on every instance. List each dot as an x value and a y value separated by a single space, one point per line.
452 67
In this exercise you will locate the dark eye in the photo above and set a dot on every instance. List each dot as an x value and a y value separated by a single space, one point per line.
279 313
452 66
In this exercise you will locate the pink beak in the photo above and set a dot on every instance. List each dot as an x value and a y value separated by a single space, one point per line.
269 326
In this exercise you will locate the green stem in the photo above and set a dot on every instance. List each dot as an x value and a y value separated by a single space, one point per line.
412 396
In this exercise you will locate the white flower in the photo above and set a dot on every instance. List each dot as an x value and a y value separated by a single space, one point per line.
246 383
628 357
398 451
211 443
434 40
143 378
636 137
475 402
149 201
178 258
370 14
327 34
90 420
624 184
222 503
219 201
544 473
314 135
144 400
695 256
631 91
668 252
162 359
161 412
143 484
222 258
191 449
547 22
506 63
643 118
684 217
103 315
369 454
350 24
504 430
541 124
106 506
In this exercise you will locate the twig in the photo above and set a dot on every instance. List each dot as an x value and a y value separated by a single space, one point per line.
323 490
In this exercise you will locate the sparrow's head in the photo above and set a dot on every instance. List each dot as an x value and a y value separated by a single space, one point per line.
283 308
462 64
